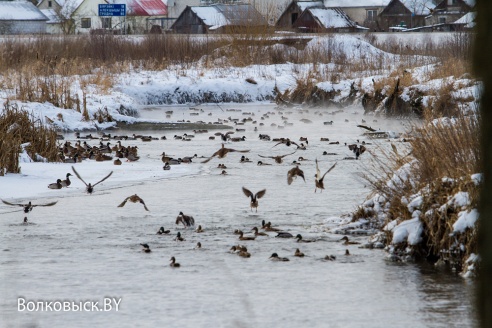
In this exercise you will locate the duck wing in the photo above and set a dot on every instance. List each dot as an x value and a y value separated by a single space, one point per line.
260 193
267 156
318 173
143 203
78 175
282 156
47 204
331 168
107 176
215 154
124 202
237 151
12 204
247 192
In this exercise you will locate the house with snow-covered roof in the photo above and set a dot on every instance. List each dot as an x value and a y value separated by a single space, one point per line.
404 14
325 20
75 16
144 16
362 12
293 11
219 18
449 11
21 17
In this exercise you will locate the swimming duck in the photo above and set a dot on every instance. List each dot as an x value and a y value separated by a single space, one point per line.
178 237
347 252
298 253
199 229
56 185
29 206
221 166
278 159
284 234
162 231
187 220
222 152
275 257
257 233
145 248
268 227
244 254
117 161
198 245
294 173
90 187
66 182
254 197
134 199
238 248
318 178
241 237
301 240
260 163
330 258
244 160
224 172
173 263
348 242
25 220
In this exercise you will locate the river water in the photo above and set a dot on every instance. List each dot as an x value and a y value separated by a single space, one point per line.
86 249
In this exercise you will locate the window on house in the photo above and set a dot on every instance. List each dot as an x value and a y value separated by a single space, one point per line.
85 22
372 15
49 4
293 17
442 20
106 22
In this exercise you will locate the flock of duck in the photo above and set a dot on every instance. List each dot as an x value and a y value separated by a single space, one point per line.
105 151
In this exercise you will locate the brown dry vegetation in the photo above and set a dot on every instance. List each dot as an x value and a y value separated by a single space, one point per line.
18 127
445 156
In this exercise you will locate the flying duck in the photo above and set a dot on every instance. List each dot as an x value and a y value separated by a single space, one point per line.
134 199
294 173
222 152
90 187
278 159
187 220
318 178
254 197
29 206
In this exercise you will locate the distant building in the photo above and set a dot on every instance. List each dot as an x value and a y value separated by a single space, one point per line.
449 11
362 12
404 14
293 11
143 16
21 17
325 20
219 18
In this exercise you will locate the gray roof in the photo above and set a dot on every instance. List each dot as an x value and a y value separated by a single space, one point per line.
20 11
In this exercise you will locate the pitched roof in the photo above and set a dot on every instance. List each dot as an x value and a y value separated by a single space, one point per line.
309 4
216 16
146 7
468 20
356 3
20 10
53 17
419 7
331 17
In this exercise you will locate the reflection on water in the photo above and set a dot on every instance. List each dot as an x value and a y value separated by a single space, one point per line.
94 251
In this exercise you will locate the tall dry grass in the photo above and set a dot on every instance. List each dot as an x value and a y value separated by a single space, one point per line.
443 154
18 127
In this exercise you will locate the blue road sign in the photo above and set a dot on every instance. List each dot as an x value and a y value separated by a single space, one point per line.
112 10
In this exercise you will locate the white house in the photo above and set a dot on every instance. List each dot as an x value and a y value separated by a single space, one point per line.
363 12
21 17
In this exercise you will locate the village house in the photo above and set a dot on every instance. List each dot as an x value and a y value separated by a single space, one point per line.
448 11
325 20
404 14
219 18
143 16
293 11
362 12
21 17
